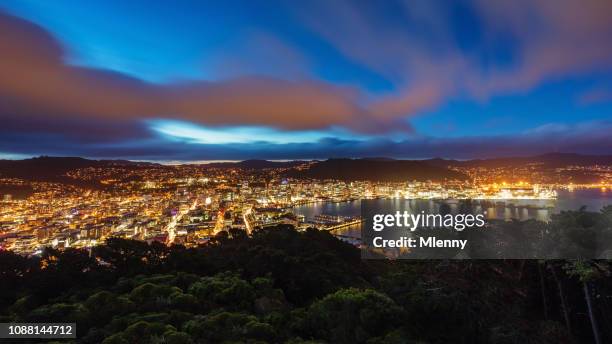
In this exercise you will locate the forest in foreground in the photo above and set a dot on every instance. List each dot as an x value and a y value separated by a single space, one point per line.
279 285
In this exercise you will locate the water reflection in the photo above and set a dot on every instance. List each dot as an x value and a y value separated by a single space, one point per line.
541 210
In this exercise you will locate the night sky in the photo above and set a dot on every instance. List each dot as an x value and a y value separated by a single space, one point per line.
232 80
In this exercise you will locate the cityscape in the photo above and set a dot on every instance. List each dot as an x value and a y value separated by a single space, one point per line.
301 172
189 204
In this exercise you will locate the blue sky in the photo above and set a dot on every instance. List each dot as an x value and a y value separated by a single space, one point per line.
197 80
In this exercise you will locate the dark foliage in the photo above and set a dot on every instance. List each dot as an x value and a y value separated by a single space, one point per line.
279 285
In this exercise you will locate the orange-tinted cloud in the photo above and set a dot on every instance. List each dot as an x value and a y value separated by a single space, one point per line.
35 79
550 40
426 65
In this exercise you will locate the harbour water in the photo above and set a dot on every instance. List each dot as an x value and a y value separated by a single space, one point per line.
592 199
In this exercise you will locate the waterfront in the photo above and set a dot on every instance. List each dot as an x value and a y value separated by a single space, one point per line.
188 204
594 199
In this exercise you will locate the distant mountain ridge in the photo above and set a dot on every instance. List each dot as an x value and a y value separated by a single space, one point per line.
52 168
549 160
46 168
255 164
387 170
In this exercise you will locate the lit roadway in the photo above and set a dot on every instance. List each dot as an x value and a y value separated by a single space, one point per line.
171 228
220 221
246 212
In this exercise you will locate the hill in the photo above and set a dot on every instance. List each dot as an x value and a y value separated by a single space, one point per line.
377 169
285 286
255 164
549 160
46 168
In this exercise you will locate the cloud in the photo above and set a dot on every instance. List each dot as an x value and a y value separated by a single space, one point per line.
419 48
260 53
595 96
586 138
556 39
35 81
475 48
48 106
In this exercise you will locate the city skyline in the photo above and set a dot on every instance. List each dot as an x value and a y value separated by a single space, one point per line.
282 171
280 81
